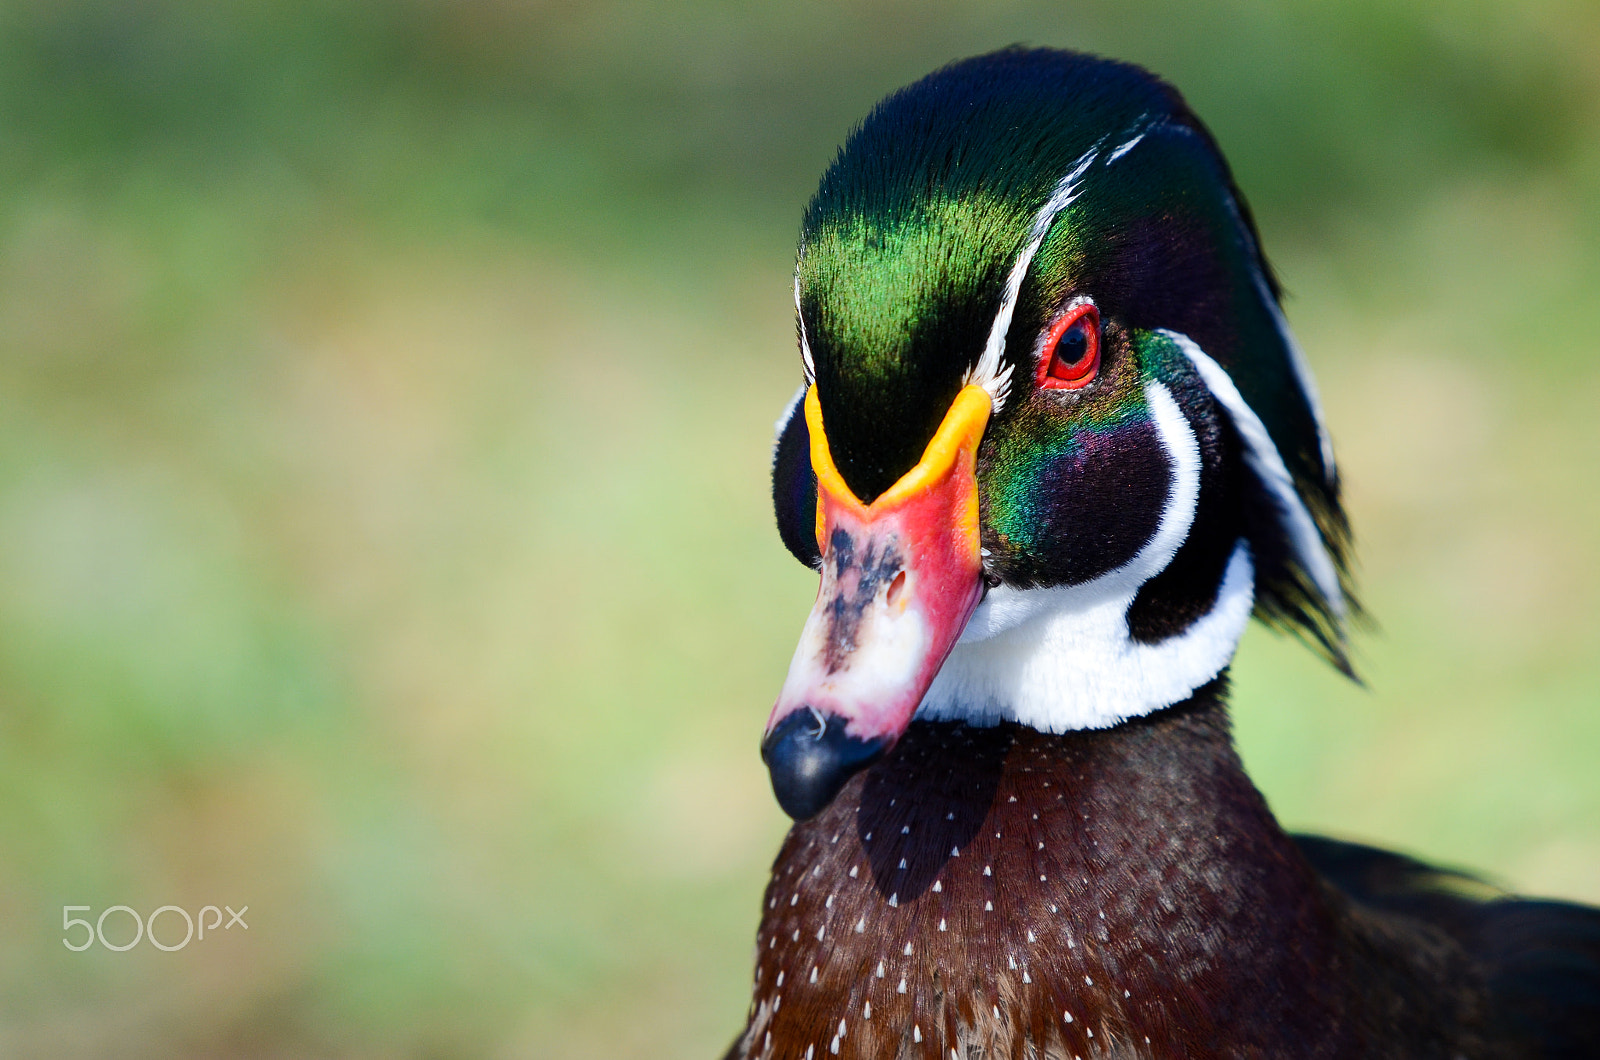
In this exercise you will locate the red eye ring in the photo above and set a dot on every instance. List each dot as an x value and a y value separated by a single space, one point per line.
1064 366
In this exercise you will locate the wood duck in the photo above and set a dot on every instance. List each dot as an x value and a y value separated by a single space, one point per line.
1054 447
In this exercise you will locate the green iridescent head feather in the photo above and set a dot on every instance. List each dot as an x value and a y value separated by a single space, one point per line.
907 245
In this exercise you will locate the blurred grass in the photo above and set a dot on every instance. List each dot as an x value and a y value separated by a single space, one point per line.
384 399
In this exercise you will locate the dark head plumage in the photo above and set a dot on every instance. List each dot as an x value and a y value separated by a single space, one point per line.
905 253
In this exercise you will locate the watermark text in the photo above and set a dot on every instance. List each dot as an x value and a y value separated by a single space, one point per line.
194 928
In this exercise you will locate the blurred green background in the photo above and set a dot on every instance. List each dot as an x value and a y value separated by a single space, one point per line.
385 400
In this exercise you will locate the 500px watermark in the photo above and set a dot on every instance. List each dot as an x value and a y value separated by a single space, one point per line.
146 927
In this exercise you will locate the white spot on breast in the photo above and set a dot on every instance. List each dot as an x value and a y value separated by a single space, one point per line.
772 942
954 852
894 900
809 1050
902 863
908 949
796 937
1012 799
834 1046
829 903
880 969
1090 1030
937 886
941 924
1011 962
1041 878
902 989
868 838
988 907
1126 994
853 869
1089 981
820 932
1031 938
861 925
772 904
986 871
813 973
950 816
841 1028
905 829
1041 846
866 1011
1052 909
780 978
1067 1016
836 837
1026 978
793 898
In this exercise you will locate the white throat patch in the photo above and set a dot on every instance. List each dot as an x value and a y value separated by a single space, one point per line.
1062 658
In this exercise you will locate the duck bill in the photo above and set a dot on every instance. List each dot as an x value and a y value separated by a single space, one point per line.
900 578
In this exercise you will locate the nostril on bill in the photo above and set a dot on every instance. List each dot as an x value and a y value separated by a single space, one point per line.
896 588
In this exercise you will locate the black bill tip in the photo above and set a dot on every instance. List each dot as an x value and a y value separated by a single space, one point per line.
810 756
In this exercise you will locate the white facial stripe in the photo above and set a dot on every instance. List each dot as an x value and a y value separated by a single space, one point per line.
988 372
1123 149
1264 459
1062 658
1297 357
1302 375
809 365
1005 608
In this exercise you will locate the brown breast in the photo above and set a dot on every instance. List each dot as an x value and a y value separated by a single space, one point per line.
1005 893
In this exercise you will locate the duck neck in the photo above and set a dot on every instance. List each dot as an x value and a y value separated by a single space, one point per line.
1080 889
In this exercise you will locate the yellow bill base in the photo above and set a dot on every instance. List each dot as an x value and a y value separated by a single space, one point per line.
960 431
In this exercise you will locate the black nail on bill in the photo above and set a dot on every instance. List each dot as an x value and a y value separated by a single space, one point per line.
811 757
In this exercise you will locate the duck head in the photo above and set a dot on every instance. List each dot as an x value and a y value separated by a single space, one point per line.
1055 444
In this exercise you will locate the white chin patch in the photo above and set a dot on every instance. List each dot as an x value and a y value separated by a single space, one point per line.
1062 658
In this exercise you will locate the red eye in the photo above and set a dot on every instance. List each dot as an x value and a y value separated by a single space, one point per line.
1071 355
